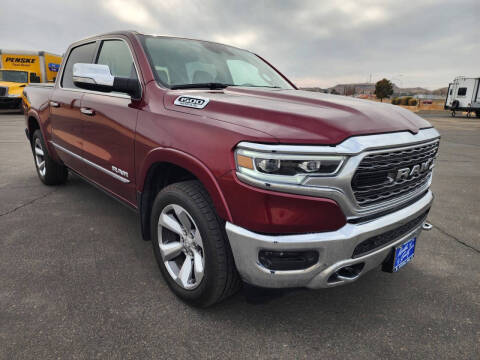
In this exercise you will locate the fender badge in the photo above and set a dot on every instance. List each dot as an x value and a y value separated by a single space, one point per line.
195 102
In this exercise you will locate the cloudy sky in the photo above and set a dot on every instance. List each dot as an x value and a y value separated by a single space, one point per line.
314 42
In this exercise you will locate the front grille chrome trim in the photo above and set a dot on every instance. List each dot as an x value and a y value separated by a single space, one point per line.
351 146
371 184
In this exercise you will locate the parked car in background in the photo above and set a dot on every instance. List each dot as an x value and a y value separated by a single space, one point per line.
19 68
464 95
234 172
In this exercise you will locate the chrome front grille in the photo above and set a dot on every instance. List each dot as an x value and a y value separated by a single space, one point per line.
379 178
3 91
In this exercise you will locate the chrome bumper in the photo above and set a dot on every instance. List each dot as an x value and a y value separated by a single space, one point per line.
335 250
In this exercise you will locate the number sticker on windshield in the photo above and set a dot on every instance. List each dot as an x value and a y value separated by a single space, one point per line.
195 102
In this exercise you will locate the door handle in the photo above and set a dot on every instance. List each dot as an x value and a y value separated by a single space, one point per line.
54 104
87 111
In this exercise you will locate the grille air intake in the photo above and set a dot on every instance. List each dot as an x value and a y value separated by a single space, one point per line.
376 179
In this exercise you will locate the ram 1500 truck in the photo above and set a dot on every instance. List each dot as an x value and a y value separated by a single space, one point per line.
234 172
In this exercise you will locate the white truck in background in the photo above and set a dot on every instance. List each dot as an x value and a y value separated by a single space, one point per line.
464 95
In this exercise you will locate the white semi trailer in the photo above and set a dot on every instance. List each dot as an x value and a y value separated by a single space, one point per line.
464 95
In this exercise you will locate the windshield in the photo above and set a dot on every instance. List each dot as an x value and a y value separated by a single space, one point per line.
14 76
182 63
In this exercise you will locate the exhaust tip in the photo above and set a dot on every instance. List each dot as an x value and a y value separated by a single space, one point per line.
347 273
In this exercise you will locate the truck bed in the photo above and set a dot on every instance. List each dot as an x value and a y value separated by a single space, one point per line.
38 95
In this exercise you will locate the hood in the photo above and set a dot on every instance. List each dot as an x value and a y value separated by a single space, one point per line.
300 117
14 88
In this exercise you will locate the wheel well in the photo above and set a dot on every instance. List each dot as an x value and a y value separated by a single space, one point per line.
32 126
159 176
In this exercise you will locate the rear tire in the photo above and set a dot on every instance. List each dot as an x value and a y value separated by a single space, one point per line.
191 246
49 171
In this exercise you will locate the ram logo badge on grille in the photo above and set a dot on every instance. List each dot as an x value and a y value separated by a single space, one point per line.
406 173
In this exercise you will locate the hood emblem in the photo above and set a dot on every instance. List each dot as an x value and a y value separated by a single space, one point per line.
196 102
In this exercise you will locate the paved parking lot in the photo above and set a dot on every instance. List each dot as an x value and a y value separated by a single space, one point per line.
77 281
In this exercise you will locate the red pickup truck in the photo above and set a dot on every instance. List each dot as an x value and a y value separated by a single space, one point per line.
234 172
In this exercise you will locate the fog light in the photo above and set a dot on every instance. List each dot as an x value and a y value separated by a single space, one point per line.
287 260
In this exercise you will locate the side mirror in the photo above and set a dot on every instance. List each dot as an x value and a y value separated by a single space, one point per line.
97 77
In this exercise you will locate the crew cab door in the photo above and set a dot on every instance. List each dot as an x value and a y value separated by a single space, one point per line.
109 122
65 116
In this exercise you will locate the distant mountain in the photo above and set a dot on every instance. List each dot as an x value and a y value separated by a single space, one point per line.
369 89
442 91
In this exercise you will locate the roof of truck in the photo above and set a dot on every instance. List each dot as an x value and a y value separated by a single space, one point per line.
26 52
134 32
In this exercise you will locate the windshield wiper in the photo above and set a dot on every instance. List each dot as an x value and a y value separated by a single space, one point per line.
211 86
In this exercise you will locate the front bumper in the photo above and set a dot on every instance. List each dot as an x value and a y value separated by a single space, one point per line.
335 249
10 102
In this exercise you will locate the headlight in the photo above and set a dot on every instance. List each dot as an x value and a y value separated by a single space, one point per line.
287 168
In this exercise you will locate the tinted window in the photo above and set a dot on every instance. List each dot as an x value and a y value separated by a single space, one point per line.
14 76
462 91
116 54
80 54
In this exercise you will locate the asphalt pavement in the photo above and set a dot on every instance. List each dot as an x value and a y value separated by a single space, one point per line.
77 280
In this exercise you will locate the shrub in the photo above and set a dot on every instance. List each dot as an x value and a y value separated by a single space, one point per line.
395 101
405 100
412 102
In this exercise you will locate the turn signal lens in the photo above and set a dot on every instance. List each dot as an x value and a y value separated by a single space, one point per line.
244 161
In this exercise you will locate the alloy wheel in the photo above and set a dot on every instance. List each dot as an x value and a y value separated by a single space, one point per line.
181 246
40 157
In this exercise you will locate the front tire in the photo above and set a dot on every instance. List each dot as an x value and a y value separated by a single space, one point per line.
49 171
190 245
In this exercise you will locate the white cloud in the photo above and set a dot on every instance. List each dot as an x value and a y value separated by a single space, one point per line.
130 11
242 40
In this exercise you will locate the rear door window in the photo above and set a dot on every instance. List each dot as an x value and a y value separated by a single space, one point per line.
80 54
